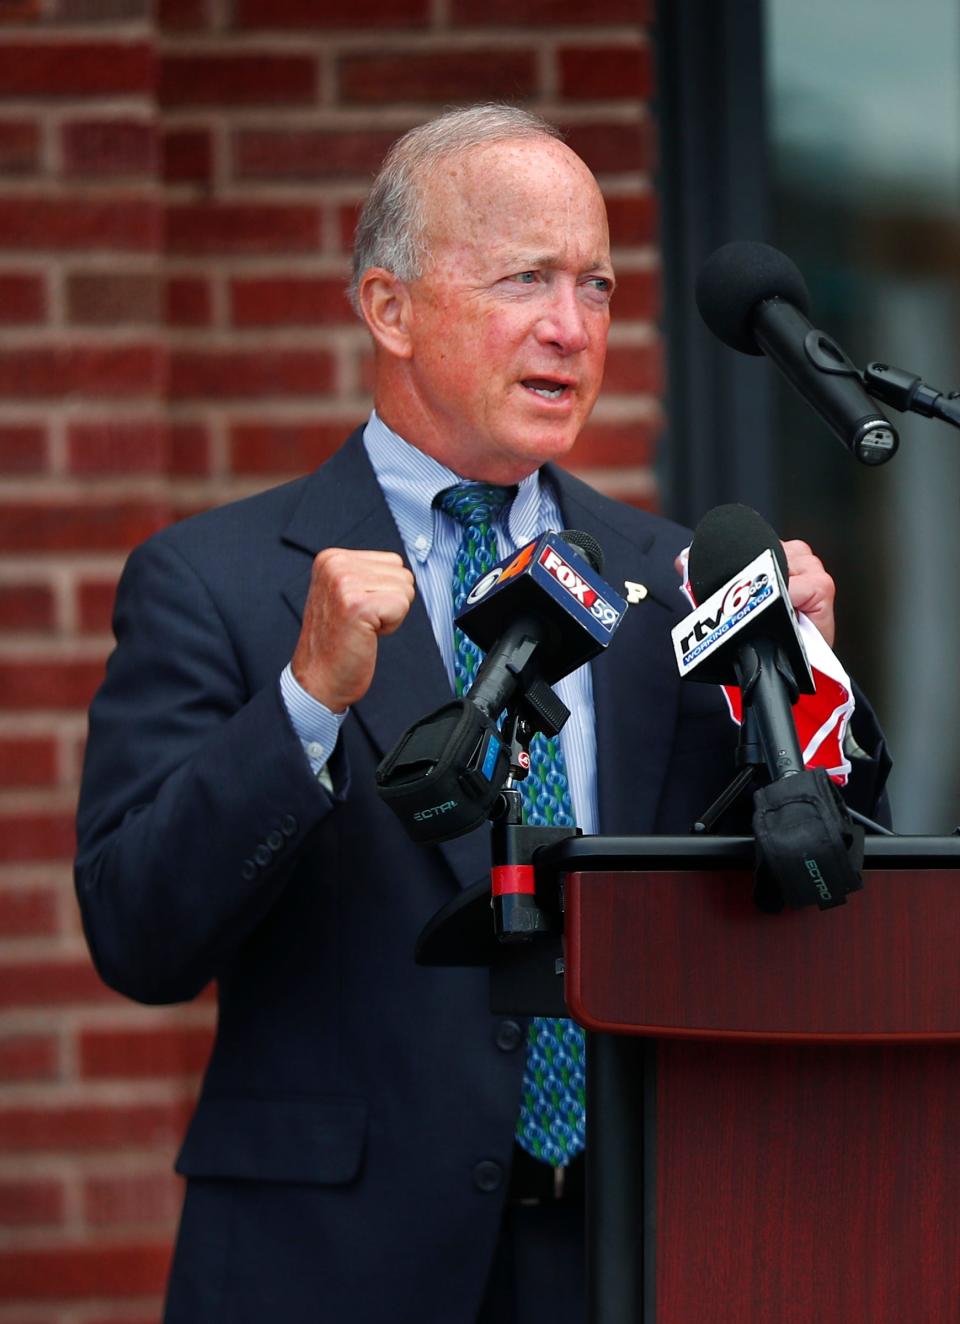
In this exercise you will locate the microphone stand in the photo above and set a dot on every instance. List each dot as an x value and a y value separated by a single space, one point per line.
519 912
749 760
757 750
750 763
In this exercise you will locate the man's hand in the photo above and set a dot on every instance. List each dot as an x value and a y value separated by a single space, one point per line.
354 598
812 591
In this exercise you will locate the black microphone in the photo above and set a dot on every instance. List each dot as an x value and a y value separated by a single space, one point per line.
539 615
754 299
744 630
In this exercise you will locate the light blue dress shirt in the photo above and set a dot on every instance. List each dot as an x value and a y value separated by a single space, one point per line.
410 480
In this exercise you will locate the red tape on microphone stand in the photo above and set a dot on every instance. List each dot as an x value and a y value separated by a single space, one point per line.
510 879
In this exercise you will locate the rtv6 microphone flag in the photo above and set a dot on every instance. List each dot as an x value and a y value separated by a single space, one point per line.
821 717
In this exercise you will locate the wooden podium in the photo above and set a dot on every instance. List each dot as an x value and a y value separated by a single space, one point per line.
798 1095
773 1100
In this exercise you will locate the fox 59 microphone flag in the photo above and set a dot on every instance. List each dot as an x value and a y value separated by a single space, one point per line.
822 718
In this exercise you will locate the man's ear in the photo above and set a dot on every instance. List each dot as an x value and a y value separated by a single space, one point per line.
386 307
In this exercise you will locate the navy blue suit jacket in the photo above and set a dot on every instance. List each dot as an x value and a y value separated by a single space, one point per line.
351 1095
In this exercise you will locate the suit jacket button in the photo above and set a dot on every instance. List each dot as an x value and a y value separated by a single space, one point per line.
263 856
248 871
488 1176
509 1036
288 825
274 840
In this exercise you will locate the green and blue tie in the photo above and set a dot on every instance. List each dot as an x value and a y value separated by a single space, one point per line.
551 1125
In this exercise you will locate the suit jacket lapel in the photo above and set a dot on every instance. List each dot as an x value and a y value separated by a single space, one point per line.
343 506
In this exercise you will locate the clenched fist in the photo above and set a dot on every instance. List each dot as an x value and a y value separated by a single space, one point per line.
354 598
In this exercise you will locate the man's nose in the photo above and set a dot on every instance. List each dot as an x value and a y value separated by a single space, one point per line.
564 323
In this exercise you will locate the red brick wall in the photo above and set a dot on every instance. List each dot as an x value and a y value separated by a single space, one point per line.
177 193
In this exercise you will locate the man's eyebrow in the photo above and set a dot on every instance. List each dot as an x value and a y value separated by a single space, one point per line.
523 261
530 261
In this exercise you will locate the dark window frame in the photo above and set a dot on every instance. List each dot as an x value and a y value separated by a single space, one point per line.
713 187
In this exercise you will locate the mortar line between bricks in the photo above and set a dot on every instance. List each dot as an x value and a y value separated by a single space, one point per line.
399 41
395 115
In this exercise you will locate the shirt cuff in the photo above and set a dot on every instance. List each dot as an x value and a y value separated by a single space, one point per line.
317 728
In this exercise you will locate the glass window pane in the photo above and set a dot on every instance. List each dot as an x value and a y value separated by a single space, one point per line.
864 113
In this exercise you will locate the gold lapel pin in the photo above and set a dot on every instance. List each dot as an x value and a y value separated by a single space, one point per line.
635 592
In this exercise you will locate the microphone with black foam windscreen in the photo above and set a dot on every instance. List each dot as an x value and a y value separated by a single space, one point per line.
753 298
538 615
745 632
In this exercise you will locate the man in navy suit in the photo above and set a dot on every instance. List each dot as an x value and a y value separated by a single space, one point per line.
352 1157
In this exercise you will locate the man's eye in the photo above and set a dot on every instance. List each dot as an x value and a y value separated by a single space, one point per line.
602 284
525 277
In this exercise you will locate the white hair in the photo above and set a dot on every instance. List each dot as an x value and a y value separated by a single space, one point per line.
391 231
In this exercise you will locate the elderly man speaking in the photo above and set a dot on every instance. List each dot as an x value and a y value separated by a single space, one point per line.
371 1143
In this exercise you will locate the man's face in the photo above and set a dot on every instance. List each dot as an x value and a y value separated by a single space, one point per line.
509 320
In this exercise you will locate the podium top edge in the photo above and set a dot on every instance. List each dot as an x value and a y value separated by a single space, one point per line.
578 854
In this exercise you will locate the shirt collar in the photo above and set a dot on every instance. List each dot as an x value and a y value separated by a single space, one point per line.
410 480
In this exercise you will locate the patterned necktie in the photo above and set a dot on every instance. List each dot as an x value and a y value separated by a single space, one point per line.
551 1125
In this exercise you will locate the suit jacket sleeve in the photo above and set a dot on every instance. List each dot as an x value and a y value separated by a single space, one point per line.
196 798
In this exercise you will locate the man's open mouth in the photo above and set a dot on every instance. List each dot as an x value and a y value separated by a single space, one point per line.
546 389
